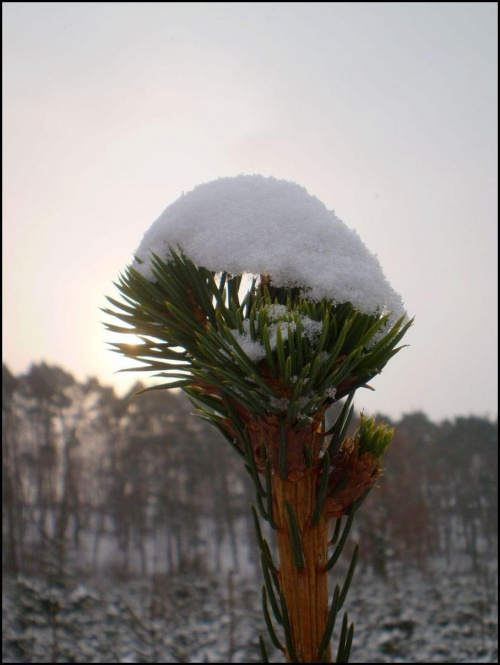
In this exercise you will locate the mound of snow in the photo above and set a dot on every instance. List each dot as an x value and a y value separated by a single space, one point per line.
253 224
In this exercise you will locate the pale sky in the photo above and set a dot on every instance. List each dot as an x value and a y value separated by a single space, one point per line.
387 112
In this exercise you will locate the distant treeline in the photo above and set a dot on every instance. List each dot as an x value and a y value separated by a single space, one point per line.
101 483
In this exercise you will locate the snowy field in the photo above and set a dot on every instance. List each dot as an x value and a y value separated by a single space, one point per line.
412 617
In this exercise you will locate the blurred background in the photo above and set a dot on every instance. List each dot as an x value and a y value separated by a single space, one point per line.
126 532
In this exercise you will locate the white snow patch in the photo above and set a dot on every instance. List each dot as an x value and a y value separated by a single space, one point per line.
253 224
274 312
280 317
312 329
281 403
253 349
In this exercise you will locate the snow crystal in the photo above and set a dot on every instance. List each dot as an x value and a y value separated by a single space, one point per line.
253 224
274 312
303 401
312 329
281 403
253 349
280 317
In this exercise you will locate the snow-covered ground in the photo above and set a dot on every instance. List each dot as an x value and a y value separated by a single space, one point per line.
414 616
426 617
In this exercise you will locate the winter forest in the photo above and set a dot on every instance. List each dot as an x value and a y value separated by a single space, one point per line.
127 534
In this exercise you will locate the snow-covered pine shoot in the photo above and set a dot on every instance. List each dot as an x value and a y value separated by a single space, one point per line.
262 306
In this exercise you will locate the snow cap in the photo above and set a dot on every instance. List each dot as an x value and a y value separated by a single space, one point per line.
254 224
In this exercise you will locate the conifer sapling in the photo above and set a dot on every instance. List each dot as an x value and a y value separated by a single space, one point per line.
265 309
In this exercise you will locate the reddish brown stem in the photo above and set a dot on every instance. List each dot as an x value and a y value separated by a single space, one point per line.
305 590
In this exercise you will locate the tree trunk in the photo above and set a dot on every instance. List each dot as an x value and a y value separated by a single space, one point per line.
305 590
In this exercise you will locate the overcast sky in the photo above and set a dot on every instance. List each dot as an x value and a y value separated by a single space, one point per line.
387 112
